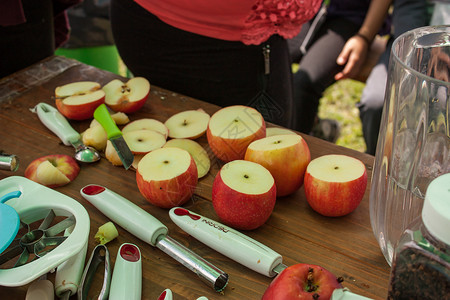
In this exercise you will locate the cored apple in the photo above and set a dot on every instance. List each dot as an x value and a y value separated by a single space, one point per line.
189 124
147 123
302 281
53 170
144 140
167 177
78 100
243 194
335 184
127 97
285 156
197 152
270 131
231 129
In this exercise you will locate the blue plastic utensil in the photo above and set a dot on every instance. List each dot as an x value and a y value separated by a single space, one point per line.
9 220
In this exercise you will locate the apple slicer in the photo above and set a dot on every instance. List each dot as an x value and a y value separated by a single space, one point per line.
51 228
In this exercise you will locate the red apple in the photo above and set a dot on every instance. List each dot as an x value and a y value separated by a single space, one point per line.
243 194
127 97
53 170
197 152
232 129
78 100
335 184
285 156
302 281
167 177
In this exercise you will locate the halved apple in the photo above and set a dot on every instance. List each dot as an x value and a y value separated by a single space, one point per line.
271 131
231 129
243 194
146 123
189 124
78 100
197 152
167 177
127 97
335 184
53 170
285 156
144 140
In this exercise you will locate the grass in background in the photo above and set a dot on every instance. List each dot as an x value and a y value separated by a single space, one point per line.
339 103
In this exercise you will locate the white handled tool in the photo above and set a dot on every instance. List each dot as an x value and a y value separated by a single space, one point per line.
149 229
229 242
127 275
68 274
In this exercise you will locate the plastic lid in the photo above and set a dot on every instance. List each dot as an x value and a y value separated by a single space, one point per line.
436 208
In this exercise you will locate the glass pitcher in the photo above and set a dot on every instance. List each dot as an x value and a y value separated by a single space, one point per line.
413 145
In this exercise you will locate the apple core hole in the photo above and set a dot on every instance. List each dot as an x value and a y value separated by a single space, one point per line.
336 167
166 161
246 176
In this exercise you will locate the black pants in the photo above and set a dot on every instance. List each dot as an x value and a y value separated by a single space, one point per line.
216 71
317 69
25 44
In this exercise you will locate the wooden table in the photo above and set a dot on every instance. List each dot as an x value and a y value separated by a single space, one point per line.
346 246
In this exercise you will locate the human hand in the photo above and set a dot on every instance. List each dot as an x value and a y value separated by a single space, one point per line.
352 56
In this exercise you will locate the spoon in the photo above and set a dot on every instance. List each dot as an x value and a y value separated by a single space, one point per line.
56 122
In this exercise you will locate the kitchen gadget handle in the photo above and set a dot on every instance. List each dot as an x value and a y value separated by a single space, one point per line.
227 241
68 274
102 115
127 275
125 213
56 122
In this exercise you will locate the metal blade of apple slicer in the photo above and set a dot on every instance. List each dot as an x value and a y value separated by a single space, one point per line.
36 243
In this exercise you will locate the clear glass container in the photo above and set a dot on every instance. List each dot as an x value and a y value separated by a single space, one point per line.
413 144
421 265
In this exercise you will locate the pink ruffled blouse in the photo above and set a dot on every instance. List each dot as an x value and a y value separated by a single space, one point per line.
249 21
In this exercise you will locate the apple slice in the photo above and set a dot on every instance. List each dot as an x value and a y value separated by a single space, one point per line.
127 97
231 129
95 137
143 141
119 118
285 156
303 281
243 194
53 170
335 184
111 154
146 123
78 100
271 131
197 152
167 177
189 124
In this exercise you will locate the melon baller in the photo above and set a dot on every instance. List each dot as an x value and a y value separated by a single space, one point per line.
41 242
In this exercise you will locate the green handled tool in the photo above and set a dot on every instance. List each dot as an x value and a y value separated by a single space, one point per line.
114 134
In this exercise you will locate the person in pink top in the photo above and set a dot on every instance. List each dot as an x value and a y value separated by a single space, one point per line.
222 52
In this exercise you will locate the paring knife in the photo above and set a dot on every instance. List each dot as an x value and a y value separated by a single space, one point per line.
149 229
102 115
229 242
